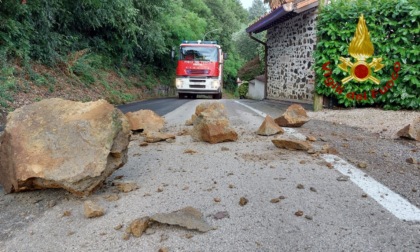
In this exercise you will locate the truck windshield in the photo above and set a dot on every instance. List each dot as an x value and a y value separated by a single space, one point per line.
198 53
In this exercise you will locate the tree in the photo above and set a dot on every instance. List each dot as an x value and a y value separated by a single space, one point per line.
256 10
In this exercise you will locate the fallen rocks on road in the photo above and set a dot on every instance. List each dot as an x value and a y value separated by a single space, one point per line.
295 116
125 186
212 124
411 131
269 127
57 143
154 137
138 226
145 120
291 144
92 209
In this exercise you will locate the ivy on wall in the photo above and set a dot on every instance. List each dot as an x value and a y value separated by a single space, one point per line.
394 29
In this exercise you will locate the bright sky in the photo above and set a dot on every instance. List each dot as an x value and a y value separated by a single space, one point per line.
246 3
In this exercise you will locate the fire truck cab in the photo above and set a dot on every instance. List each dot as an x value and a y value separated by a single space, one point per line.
200 69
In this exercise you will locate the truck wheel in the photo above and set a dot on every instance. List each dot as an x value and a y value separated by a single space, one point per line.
217 96
180 96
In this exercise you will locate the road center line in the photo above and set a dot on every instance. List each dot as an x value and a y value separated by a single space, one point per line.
393 202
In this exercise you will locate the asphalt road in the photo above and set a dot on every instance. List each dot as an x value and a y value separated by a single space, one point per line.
295 201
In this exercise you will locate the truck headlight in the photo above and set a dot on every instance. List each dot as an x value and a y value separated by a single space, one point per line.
215 84
178 83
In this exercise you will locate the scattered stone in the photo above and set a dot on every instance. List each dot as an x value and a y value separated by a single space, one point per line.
362 165
291 144
126 236
189 151
243 201
111 197
149 231
225 148
145 121
143 144
51 203
299 213
160 189
231 186
92 209
343 178
311 151
275 200
138 226
302 162
118 227
414 190
125 186
71 233
411 160
364 195
308 217
212 124
189 236
187 217
154 137
269 127
70 145
300 186
163 237
411 131
330 165
170 140
217 200
66 213
312 189
221 215
163 250
311 138
282 197
295 116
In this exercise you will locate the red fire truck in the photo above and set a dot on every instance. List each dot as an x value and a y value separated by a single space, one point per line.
200 69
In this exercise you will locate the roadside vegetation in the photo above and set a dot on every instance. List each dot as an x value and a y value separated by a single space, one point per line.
118 50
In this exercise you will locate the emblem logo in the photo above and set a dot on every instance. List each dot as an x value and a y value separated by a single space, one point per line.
361 48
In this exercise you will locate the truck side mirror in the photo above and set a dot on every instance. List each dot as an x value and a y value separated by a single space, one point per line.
173 53
225 56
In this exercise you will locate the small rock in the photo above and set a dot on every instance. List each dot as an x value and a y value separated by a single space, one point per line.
243 201
126 186
189 151
311 138
414 190
160 189
187 217
118 227
308 217
138 226
269 127
275 200
302 162
329 165
112 197
300 186
231 186
92 209
189 236
343 178
163 250
51 203
144 144
312 189
362 165
364 195
299 213
217 200
311 151
126 236
291 144
170 140
221 215
411 160
225 148
163 237
66 214
295 116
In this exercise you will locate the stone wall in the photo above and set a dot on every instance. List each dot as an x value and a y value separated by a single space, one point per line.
290 58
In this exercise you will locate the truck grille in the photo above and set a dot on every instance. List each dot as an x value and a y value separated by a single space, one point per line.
197 86
198 71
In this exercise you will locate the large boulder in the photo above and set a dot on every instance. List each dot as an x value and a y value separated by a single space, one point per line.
57 143
269 127
295 116
411 131
145 120
212 125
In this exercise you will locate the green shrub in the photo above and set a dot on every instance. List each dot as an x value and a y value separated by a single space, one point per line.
395 33
243 89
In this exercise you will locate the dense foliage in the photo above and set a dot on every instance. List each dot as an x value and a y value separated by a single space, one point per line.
129 36
394 28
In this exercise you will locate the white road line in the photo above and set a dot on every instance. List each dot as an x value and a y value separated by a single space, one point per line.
393 202
390 200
